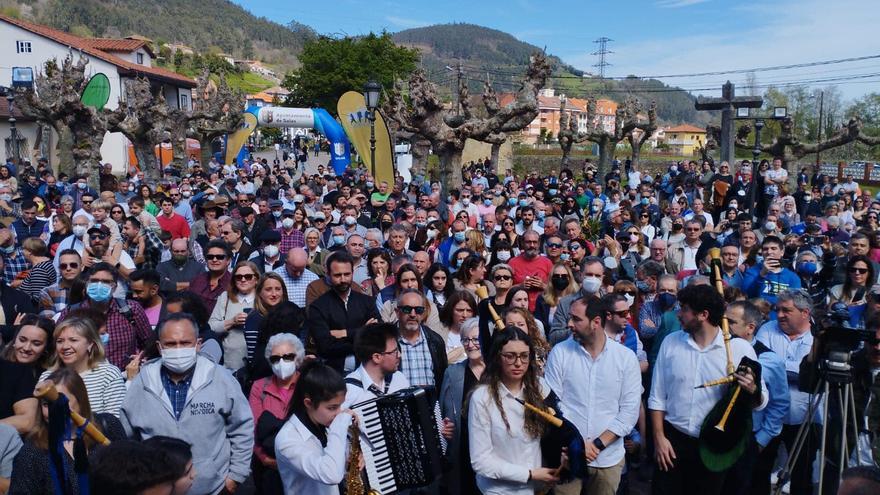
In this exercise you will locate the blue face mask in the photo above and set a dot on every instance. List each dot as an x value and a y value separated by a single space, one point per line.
511 201
553 192
523 202
98 291
105 339
666 300
564 256
487 202
459 237
339 240
642 286
807 268
542 213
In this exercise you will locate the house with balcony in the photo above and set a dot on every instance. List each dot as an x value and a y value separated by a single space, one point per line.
26 44
547 121
684 139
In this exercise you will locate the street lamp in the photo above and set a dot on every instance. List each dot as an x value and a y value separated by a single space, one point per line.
372 90
13 132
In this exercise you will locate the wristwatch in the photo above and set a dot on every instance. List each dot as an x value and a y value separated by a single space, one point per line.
599 444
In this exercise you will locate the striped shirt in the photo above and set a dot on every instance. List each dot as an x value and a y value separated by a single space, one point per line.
53 300
105 387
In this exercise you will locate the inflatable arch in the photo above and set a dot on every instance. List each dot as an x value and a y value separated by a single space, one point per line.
303 118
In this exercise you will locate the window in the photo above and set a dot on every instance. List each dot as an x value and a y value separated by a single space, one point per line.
23 46
184 102
140 58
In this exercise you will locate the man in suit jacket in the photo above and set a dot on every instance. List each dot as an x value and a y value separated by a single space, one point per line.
335 318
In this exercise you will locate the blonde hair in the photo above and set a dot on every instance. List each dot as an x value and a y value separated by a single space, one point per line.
475 241
86 328
102 204
551 297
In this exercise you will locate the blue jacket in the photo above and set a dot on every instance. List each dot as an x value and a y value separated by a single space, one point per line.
767 423
754 285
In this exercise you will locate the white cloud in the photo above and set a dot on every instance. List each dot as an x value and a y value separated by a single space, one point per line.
405 22
788 32
674 4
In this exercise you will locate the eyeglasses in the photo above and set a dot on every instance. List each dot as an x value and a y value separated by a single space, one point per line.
574 247
99 236
860 271
502 277
244 276
409 309
396 350
65 266
474 341
693 229
554 245
215 257
622 313
627 293
287 357
86 202
512 357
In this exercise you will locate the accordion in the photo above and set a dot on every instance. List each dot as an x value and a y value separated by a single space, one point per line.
401 440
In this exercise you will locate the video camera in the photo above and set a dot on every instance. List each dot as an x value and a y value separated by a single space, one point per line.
840 340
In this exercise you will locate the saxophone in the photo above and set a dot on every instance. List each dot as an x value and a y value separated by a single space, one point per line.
354 484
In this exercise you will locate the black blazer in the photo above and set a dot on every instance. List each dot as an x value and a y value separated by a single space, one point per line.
329 313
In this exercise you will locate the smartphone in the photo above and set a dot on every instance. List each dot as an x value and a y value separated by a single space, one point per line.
247 310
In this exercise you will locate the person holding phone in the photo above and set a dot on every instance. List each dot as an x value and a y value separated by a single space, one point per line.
768 278
859 277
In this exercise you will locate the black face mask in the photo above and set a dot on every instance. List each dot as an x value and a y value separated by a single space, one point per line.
559 282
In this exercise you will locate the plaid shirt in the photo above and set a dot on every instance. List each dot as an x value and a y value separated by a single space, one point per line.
53 299
125 339
13 264
415 361
289 241
177 391
152 250
296 287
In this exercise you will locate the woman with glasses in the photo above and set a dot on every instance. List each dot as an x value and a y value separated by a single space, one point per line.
562 283
117 214
270 292
408 278
508 230
231 311
458 382
645 226
269 400
314 251
505 438
860 209
146 194
458 308
577 251
853 291
627 289
522 319
502 278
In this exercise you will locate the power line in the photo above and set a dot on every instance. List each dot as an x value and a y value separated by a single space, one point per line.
601 52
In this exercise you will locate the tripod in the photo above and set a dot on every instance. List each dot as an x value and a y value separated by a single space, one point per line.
835 382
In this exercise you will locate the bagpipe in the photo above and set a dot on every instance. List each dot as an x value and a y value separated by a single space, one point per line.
727 428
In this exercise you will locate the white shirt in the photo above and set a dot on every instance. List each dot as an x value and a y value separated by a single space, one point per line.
355 394
792 352
306 466
502 459
682 366
597 394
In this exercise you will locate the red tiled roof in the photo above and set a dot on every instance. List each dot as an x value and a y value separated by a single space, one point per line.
685 128
125 45
86 45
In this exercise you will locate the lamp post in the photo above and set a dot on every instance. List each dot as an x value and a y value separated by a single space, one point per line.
372 90
819 126
13 131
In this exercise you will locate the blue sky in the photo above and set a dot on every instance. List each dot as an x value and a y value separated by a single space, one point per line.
651 37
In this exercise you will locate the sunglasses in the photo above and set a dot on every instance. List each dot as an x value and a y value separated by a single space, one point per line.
244 276
99 235
215 257
274 359
860 271
622 313
409 309
502 277
65 266
87 202
554 245
574 247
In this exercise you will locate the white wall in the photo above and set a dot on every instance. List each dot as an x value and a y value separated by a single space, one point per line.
132 57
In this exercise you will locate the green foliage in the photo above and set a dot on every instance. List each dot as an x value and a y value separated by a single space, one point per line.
246 82
331 66
198 23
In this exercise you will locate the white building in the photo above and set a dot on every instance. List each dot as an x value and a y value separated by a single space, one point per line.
25 44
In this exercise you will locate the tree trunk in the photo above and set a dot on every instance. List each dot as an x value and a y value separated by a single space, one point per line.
419 149
450 167
606 153
145 154
496 153
636 152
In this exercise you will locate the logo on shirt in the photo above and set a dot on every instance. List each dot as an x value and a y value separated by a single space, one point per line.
199 408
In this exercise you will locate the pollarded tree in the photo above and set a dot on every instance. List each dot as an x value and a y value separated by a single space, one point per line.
425 115
55 102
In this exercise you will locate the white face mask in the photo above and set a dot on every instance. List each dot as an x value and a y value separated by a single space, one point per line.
270 250
591 285
79 230
350 220
503 256
431 233
284 369
179 360
630 299
287 223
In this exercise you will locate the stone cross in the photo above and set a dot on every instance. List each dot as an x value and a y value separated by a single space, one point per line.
728 103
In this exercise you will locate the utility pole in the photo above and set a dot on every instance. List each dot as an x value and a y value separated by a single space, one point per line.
601 52
819 127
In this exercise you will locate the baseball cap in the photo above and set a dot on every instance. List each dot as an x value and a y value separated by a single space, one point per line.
275 203
99 228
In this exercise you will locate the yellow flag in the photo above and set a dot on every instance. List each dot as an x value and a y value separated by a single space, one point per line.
352 110
236 140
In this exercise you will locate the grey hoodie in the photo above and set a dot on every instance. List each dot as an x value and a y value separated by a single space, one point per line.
216 420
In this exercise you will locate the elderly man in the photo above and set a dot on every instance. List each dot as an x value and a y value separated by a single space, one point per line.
186 396
530 269
176 273
296 276
423 351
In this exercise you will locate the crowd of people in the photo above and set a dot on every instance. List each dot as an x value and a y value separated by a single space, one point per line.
218 322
